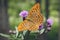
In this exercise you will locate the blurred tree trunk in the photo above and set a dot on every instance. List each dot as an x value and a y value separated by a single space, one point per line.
38 1
59 19
47 9
4 26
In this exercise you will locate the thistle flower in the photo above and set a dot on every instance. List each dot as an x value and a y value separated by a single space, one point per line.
49 24
49 21
41 27
23 13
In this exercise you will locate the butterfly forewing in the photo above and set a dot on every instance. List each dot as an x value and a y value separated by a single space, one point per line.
35 15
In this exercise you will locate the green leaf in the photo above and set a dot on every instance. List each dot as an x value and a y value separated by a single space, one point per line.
42 30
16 31
5 35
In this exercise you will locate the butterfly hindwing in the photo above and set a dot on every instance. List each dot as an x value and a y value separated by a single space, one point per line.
26 25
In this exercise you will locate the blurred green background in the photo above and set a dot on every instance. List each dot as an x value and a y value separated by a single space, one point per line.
16 6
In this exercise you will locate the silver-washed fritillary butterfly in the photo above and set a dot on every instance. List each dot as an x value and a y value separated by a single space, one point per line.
33 20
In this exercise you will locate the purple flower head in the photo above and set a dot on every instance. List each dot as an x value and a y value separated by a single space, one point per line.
49 21
23 13
41 26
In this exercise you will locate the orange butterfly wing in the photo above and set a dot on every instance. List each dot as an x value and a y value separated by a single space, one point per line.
33 20
35 15
25 25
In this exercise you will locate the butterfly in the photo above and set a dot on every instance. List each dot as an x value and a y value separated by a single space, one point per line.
33 20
